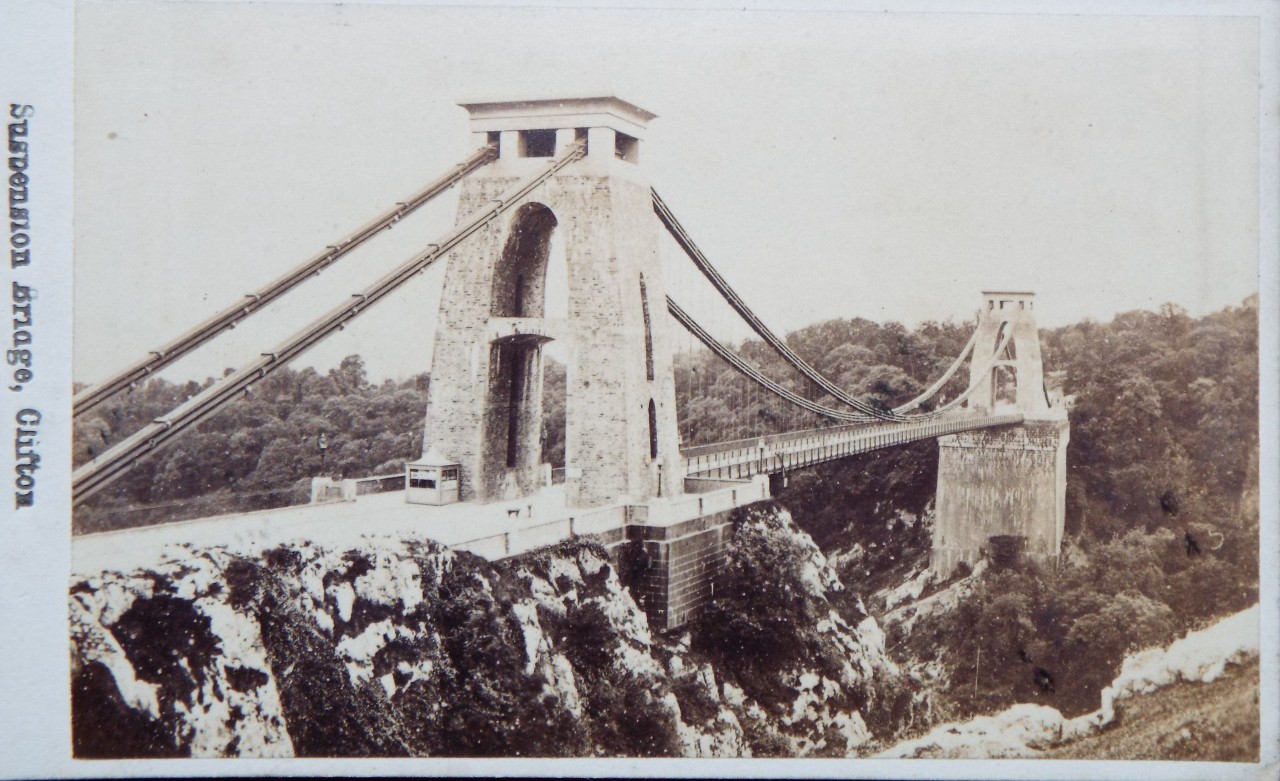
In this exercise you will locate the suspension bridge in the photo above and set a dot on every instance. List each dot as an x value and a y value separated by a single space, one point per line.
574 167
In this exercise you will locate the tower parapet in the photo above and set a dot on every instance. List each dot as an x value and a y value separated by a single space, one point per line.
525 130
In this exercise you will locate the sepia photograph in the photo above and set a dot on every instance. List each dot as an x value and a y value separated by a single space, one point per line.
703 383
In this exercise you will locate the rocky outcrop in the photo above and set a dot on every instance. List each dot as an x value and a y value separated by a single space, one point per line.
403 648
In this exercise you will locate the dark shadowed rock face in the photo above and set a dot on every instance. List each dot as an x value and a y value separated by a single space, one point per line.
168 643
104 726
401 648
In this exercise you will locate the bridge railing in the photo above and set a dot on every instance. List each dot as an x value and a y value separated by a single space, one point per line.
527 538
735 444
379 484
741 459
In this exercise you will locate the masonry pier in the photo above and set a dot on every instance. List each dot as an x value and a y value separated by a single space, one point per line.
623 475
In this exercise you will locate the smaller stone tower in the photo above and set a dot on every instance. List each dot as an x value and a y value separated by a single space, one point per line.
1006 483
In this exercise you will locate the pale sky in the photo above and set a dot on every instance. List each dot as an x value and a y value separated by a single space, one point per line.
832 164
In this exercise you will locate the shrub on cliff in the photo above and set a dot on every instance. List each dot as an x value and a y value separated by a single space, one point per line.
783 629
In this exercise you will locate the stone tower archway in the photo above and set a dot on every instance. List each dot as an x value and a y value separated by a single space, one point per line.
512 444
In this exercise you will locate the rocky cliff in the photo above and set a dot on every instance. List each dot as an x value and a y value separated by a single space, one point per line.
401 648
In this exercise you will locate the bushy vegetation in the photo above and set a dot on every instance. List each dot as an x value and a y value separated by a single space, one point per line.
623 711
772 615
258 453
1058 635
762 612
869 512
1164 425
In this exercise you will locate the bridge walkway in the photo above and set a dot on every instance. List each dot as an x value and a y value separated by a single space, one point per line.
742 458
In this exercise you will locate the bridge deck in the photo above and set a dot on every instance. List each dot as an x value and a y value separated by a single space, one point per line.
743 458
494 530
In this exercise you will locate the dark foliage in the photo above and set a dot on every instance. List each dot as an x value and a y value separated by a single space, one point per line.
169 643
623 712
1161 506
873 503
553 406
1164 427
258 453
246 679
764 621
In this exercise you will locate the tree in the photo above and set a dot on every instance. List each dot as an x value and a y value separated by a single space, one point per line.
350 375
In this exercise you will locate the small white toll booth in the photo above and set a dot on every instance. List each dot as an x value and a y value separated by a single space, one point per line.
432 479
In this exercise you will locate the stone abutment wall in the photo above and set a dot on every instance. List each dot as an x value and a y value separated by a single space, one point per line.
1001 482
671 570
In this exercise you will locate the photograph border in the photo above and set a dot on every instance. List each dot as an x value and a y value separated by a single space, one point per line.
37 69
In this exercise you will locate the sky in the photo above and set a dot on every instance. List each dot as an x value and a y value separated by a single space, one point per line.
889 166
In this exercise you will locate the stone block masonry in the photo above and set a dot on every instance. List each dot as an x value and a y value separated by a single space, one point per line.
672 570
996 482
1008 481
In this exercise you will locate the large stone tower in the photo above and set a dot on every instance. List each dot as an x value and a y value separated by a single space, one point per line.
1005 483
484 406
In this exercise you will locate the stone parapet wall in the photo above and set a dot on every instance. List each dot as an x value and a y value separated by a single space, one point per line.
668 552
